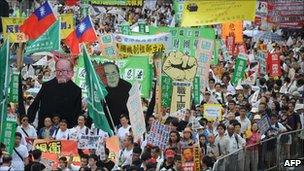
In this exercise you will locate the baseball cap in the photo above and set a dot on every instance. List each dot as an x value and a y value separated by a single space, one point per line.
170 153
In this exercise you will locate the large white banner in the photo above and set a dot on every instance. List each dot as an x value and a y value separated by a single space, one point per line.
137 118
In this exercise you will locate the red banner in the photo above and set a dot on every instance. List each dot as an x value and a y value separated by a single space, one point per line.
273 66
230 44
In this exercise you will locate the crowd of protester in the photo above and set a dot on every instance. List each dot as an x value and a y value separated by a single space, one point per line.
279 99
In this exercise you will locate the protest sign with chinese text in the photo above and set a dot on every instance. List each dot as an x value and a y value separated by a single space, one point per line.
191 157
11 30
137 118
159 135
8 134
166 91
213 111
263 124
116 2
108 46
88 141
198 13
67 25
233 28
13 94
239 70
273 66
181 96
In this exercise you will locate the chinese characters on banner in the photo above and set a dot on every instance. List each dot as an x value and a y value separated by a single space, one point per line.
11 29
264 124
67 25
89 141
198 13
191 158
273 66
239 70
143 44
230 44
159 135
166 91
8 135
213 111
108 46
137 118
233 29
117 2
13 94
181 96
260 56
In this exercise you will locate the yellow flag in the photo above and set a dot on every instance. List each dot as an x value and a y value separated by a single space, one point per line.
198 13
11 29
67 25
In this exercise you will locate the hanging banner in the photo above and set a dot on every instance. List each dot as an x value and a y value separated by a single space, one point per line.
143 44
159 135
13 94
233 29
180 67
67 25
89 141
178 6
185 39
166 91
239 70
8 134
198 13
196 91
224 51
260 56
11 30
116 2
132 69
213 111
181 96
215 55
108 46
273 66
137 118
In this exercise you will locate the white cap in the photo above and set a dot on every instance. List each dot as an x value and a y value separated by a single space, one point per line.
254 110
256 117
299 106
239 87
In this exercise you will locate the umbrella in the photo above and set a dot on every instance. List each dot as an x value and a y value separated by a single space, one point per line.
270 36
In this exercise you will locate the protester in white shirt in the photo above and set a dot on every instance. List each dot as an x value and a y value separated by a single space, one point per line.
27 131
124 130
6 163
62 133
20 154
80 129
245 122
125 154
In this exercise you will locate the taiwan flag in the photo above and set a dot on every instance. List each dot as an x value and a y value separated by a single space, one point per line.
41 19
84 32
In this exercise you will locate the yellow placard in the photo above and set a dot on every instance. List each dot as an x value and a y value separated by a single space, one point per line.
11 29
198 13
67 25
233 29
213 112
181 96
139 49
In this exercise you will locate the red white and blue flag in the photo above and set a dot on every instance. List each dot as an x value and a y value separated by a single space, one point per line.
83 33
40 20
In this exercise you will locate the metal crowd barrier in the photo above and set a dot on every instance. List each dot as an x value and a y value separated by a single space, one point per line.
269 154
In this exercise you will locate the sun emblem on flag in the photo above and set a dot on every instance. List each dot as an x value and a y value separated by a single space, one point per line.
82 27
42 11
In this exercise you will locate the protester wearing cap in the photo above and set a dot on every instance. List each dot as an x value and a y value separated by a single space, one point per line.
169 160
187 138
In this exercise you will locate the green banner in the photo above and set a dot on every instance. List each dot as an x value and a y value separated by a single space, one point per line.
125 29
79 77
47 42
115 2
215 56
196 92
185 39
134 68
4 80
239 70
178 7
166 90
8 135
13 95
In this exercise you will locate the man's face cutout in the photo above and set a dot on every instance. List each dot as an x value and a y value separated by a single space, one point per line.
112 75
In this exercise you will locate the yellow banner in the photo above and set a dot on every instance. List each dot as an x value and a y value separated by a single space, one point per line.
11 29
233 29
197 13
181 96
67 25
139 49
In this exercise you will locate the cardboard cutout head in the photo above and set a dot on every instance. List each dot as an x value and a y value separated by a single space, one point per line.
112 74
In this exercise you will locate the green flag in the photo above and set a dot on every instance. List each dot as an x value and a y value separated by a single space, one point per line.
48 41
8 136
4 79
96 94
239 70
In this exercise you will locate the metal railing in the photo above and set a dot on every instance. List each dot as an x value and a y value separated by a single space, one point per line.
268 154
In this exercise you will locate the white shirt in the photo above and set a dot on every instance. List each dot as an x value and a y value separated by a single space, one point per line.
76 132
245 124
222 144
60 135
235 144
6 168
31 133
17 162
122 133
125 157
